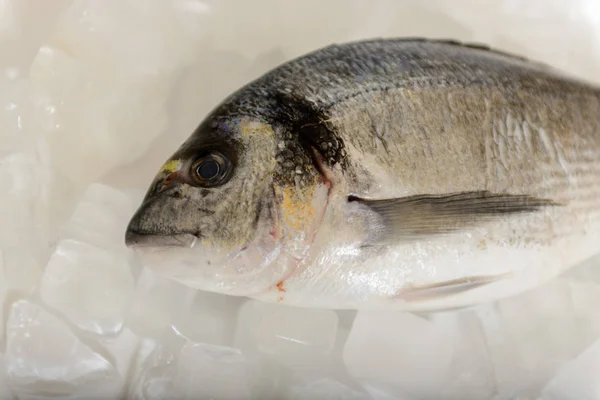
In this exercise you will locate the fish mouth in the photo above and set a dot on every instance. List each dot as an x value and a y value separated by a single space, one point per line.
142 239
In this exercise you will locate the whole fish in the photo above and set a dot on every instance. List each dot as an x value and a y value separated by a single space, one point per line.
394 173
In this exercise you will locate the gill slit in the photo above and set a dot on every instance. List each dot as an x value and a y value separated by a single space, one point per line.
328 182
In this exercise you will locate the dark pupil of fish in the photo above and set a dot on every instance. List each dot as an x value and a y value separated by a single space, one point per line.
208 169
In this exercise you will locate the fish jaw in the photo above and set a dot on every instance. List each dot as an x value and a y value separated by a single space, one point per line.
196 260
251 270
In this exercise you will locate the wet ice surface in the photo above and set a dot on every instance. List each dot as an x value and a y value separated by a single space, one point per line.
440 351
44 356
90 286
578 378
179 368
289 334
96 94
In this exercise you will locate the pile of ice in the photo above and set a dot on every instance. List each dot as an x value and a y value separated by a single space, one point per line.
94 94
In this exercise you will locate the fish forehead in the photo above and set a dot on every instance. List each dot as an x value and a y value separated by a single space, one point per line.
230 129
248 145
231 136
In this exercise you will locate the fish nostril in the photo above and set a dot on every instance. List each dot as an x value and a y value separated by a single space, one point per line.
167 182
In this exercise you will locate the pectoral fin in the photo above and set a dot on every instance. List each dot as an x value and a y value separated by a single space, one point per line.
447 288
415 217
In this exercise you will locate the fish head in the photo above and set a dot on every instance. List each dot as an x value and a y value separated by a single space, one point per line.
219 216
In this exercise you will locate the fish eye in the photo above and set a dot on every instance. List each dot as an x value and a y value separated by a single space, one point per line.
210 169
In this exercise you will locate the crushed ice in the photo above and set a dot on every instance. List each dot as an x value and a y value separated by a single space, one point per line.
94 94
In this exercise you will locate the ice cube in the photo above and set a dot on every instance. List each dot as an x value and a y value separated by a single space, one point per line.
418 356
22 201
204 317
100 218
159 303
23 25
529 337
213 371
148 314
471 375
5 392
89 285
20 274
346 320
124 32
587 271
44 356
102 81
577 380
379 393
325 389
122 350
289 334
74 99
16 111
187 370
153 377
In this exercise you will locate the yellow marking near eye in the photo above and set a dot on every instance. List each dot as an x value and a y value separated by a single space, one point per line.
254 128
171 166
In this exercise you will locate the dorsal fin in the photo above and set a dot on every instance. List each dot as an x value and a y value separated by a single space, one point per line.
451 42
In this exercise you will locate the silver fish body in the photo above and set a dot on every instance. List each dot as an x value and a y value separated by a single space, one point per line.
403 173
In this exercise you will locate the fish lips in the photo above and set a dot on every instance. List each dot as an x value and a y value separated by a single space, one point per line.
135 239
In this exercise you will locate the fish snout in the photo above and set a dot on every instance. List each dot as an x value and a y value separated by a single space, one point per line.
142 232
162 220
